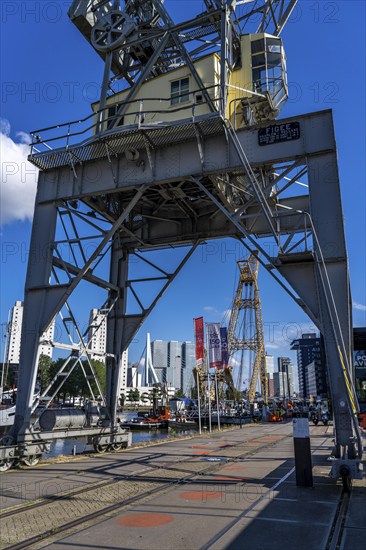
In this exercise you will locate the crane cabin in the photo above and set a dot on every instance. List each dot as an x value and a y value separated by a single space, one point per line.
256 89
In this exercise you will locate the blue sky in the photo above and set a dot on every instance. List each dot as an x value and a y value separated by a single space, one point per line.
50 75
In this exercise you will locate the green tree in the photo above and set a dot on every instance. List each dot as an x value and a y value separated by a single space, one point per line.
100 371
179 393
74 385
44 371
133 395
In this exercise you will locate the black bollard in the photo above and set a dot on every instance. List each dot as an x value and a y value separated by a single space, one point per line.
303 463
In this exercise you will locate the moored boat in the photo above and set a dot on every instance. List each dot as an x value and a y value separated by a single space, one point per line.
144 424
181 423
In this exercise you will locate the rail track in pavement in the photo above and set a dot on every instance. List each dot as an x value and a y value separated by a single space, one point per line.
26 525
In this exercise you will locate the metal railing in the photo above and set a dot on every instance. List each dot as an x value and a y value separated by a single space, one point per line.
68 134
138 113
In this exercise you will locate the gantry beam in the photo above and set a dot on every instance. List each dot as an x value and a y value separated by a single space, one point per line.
179 193
176 149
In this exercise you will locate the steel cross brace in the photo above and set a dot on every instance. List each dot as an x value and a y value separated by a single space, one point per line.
255 246
258 192
83 349
88 265
135 320
43 301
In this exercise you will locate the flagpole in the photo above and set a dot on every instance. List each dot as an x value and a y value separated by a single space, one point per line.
199 403
209 403
197 376
207 368
217 403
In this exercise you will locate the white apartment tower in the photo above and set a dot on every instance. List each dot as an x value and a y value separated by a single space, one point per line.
98 342
15 335
123 374
270 365
97 334
15 332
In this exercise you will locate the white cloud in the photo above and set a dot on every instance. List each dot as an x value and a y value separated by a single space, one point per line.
234 361
23 137
4 126
210 309
18 176
360 307
226 314
222 316
272 346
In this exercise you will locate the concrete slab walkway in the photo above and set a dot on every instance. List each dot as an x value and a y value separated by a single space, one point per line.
228 490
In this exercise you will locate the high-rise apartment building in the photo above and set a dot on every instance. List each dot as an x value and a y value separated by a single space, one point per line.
132 376
286 370
97 334
188 364
159 355
311 380
310 349
173 362
98 342
280 385
270 373
359 341
270 366
124 368
15 334
174 370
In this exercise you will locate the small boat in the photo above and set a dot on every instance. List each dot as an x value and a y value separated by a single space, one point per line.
142 424
181 423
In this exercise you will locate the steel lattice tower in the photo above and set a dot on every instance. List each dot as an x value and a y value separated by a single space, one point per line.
251 337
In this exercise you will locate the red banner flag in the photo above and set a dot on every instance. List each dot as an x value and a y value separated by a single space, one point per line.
199 340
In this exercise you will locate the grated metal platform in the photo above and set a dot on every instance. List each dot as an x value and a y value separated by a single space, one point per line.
129 138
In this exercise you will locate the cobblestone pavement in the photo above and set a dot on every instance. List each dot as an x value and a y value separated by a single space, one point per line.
35 521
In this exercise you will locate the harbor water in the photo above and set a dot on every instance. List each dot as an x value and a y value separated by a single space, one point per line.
78 446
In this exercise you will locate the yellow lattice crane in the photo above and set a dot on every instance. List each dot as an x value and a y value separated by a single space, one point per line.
251 335
200 375
199 381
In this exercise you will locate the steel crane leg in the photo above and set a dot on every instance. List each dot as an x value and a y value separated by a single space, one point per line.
323 285
117 339
39 301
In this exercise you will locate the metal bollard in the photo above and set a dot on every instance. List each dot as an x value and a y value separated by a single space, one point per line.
303 462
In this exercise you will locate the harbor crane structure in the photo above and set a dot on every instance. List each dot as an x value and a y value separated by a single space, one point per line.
247 334
188 150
